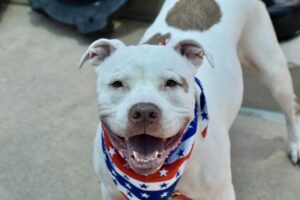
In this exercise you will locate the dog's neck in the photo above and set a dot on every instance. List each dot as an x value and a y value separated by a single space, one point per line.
162 184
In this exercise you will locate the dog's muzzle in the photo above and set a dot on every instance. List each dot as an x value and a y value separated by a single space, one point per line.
144 144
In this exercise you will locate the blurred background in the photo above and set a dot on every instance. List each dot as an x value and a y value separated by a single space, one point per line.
48 113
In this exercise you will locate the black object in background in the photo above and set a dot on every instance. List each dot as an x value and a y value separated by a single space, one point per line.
89 16
95 16
285 15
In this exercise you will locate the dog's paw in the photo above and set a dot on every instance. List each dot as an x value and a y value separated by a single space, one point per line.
294 142
294 152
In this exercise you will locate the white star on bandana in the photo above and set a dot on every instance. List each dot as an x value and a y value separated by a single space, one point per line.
145 195
112 151
165 194
163 172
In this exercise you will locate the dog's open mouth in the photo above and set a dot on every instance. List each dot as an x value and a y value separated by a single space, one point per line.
144 153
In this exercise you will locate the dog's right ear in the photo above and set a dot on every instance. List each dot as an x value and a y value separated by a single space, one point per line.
99 50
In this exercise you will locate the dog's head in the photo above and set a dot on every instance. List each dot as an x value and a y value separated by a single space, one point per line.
146 97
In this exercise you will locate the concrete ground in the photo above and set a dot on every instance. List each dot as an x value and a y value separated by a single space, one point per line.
48 118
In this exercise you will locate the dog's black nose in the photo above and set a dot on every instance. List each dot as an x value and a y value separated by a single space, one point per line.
144 113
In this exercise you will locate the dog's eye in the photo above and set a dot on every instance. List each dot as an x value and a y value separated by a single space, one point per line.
171 83
117 84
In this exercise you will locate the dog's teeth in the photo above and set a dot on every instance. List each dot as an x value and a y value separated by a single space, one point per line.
136 156
152 158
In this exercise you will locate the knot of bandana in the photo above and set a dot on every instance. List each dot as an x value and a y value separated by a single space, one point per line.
160 185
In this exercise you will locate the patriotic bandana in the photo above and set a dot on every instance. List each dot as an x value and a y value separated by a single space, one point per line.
160 185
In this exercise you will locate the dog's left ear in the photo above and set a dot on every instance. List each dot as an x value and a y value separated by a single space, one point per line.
193 52
99 50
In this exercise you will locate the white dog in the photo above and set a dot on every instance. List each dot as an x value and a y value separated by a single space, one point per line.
147 93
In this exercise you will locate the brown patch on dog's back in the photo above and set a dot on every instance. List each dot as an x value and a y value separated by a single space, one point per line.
194 15
158 38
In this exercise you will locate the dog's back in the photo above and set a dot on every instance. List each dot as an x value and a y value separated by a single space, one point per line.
200 17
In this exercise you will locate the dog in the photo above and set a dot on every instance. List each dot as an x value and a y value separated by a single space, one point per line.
147 95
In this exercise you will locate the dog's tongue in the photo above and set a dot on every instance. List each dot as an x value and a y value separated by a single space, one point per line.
145 144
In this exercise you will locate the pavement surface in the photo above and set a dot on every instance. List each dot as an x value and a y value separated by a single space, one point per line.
48 118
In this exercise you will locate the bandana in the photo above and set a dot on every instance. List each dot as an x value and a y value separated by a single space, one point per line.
160 185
